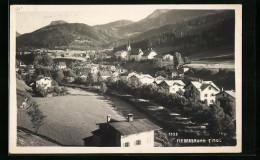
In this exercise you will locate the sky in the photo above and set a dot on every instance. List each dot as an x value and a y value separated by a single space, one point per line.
31 18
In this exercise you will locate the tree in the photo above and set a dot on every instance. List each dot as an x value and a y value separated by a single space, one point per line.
90 79
104 88
28 78
177 60
58 75
99 78
186 60
37 117
46 60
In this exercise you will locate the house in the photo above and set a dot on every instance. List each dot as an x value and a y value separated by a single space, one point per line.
120 69
105 74
184 69
121 54
143 79
159 78
123 77
176 73
149 54
43 82
146 79
225 98
202 90
168 57
61 65
135 54
172 86
131 74
129 133
124 54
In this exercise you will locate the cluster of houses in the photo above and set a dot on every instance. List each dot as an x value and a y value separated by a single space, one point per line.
200 90
138 54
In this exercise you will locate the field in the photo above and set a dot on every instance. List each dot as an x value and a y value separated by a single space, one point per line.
71 118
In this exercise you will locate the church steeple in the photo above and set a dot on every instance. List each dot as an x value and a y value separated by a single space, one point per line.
128 47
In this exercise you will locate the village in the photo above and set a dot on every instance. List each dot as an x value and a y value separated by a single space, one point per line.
53 71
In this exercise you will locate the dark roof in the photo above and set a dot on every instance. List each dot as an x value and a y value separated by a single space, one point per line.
134 127
134 51
204 85
147 52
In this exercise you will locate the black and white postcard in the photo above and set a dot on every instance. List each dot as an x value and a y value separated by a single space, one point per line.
125 79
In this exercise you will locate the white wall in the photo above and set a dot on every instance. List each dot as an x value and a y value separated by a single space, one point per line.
147 139
209 93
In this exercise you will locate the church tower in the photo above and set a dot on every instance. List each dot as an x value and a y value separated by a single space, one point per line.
128 47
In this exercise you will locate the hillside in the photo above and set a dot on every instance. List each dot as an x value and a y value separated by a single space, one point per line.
114 25
160 18
66 35
204 36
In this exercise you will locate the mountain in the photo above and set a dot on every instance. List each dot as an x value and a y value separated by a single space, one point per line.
60 35
115 24
160 18
200 37
57 22
18 34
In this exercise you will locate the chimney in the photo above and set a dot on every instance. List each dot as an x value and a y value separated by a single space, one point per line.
222 89
130 118
108 118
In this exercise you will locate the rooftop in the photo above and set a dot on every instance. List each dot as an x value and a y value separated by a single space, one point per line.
134 127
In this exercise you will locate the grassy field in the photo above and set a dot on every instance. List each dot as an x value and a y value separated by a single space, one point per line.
28 139
71 118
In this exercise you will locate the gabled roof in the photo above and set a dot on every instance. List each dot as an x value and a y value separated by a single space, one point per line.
174 82
159 78
146 76
147 52
41 77
229 92
203 85
134 127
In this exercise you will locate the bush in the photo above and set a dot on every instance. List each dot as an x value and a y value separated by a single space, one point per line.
40 92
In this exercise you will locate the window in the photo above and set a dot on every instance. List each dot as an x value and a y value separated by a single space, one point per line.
211 101
227 95
209 88
138 142
127 144
212 95
223 95
205 95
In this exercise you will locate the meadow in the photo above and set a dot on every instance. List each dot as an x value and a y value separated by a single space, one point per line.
71 118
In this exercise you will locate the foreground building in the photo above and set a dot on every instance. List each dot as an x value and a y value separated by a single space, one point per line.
202 90
129 133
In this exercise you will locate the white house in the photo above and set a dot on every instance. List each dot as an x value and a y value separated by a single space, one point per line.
129 133
172 86
62 65
202 90
168 57
146 79
149 54
121 54
44 82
